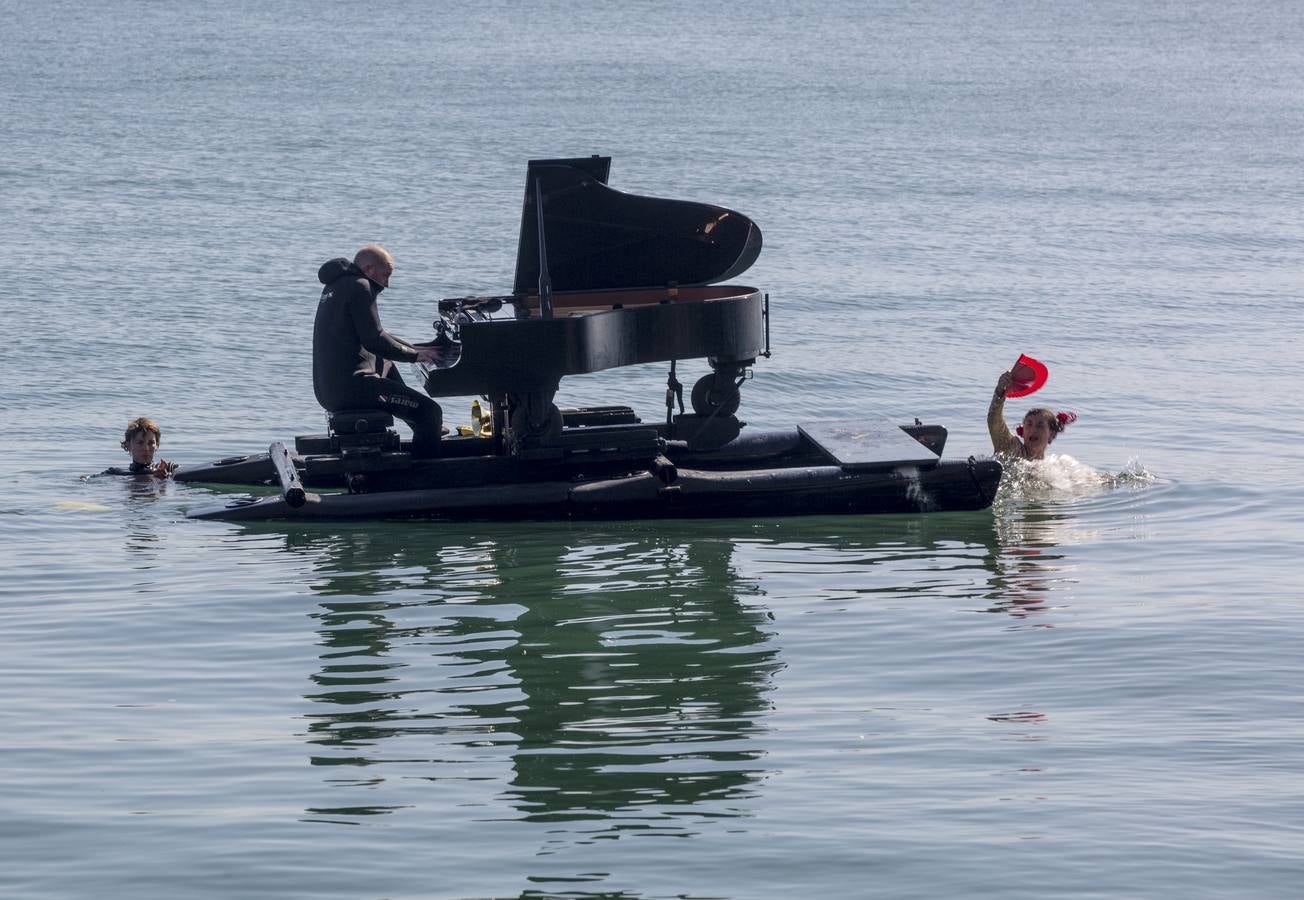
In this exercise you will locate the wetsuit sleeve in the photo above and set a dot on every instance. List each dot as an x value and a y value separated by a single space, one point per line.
1003 440
366 321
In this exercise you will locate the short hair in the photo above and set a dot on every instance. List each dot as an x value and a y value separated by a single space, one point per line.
136 426
372 254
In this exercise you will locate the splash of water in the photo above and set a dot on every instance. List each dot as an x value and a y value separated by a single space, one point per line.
1061 477
1133 474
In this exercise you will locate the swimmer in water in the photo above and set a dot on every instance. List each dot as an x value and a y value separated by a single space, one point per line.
141 440
1039 428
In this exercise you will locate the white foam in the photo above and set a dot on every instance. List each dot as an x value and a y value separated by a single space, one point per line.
1060 476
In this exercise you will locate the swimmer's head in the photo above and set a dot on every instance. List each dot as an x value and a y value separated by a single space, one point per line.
142 439
1041 425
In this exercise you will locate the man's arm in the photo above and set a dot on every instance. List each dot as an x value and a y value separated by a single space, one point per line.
366 321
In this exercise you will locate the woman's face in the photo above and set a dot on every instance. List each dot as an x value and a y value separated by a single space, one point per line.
1037 434
142 447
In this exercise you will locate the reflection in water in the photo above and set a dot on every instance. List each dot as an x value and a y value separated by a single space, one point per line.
1007 559
1037 510
141 535
1026 567
621 674
663 676
613 680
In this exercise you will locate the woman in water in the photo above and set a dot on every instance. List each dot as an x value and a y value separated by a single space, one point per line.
141 440
1039 428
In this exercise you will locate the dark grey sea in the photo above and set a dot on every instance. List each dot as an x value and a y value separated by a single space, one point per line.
1095 689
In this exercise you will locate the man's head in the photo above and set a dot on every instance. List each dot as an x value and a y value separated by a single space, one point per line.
376 263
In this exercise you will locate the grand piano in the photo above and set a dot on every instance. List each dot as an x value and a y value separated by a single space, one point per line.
606 279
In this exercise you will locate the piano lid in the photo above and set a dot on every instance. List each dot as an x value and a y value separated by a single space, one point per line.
600 238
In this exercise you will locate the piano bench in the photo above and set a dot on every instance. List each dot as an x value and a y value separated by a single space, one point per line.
358 421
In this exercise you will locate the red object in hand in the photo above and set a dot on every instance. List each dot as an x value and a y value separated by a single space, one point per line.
1027 376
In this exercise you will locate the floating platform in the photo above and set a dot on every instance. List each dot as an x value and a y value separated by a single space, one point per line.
607 465
604 279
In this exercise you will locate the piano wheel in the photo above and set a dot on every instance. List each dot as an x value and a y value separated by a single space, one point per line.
713 395
533 431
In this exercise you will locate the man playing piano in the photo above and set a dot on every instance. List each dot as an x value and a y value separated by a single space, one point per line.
353 356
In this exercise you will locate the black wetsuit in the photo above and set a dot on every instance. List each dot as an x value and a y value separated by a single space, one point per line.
352 354
134 469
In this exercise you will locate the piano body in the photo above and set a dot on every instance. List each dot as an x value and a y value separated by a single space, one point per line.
606 279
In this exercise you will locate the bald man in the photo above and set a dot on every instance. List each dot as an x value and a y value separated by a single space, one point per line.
353 355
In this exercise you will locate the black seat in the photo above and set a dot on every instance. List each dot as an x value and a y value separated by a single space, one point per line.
352 431
358 421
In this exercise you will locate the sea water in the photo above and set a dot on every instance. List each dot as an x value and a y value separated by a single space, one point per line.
1092 689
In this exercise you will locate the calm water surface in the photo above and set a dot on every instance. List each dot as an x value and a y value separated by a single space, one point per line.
1091 690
